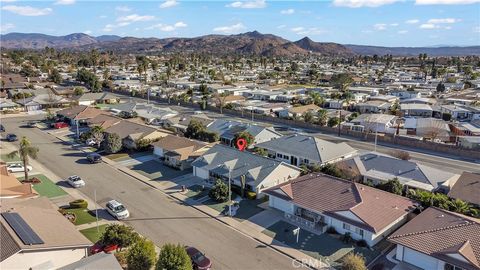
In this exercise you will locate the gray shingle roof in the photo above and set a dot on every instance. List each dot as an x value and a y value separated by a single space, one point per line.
100 260
254 167
312 148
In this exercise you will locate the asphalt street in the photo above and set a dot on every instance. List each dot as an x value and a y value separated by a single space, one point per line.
153 213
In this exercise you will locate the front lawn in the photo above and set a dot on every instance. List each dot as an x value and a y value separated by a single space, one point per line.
83 216
92 234
7 159
248 208
324 247
46 188
196 192
219 206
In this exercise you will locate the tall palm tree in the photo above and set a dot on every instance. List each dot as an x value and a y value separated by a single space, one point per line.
25 152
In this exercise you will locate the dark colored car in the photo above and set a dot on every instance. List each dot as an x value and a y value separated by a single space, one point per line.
32 124
99 247
199 260
94 158
11 137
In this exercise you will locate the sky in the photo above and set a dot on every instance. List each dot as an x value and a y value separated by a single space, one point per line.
364 22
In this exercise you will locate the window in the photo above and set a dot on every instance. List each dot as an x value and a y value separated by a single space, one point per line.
279 155
359 231
452 267
346 226
306 161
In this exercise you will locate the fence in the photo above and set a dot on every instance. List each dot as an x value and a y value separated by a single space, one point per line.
412 143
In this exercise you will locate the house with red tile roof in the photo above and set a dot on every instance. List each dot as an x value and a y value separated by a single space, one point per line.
438 239
318 201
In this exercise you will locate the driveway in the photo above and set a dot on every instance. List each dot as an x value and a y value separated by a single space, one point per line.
155 170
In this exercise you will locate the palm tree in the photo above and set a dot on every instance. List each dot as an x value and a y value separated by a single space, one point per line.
25 152
322 117
459 206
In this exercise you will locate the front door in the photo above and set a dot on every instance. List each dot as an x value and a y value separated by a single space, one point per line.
293 160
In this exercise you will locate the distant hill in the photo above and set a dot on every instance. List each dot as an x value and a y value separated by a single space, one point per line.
250 43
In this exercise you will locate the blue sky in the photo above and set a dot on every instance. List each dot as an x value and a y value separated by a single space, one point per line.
366 22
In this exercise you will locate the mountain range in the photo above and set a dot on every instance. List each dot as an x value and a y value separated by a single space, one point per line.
250 43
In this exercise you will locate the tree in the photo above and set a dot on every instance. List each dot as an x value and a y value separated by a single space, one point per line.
220 99
55 76
333 121
322 117
141 255
219 191
246 136
341 81
25 152
78 91
260 151
173 257
308 117
393 186
119 234
440 87
353 262
97 133
331 169
112 143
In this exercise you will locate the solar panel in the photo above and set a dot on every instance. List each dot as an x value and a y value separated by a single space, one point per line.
22 229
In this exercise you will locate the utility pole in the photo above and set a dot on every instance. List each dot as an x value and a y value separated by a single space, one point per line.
339 121
96 208
229 192
376 134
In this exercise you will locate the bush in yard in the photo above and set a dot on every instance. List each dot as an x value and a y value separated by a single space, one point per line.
141 255
121 257
80 203
331 230
403 155
112 143
219 191
173 257
353 262
393 186
347 238
119 234
251 195
362 243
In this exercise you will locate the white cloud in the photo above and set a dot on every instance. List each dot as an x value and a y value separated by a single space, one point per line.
123 9
446 20
65 2
412 21
169 4
248 4
445 2
394 24
88 32
27 10
166 27
108 28
230 29
287 11
380 26
281 26
402 32
476 29
362 3
307 31
428 26
5 27
135 18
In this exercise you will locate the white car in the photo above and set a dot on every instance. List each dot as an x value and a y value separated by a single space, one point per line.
17 167
117 210
75 181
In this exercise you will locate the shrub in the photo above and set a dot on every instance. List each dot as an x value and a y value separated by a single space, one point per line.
347 238
119 234
251 195
353 262
141 256
362 243
80 203
403 155
173 257
331 230
219 191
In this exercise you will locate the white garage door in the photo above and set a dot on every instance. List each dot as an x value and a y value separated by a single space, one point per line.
200 173
419 259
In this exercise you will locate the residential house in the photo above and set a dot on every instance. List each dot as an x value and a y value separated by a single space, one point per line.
383 123
42 101
416 110
154 115
101 260
429 128
373 106
300 149
466 188
180 122
228 129
179 152
456 111
130 132
34 235
8 105
439 240
374 168
79 114
10 187
469 142
298 111
104 120
94 98
223 162
319 201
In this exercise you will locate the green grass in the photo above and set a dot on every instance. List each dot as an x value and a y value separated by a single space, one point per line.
46 188
195 192
92 234
7 159
83 215
220 207
117 156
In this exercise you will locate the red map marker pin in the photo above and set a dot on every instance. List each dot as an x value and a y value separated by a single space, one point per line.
241 144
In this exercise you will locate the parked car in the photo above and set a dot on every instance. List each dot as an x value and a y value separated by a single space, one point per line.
199 260
99 247
17 167
117 210
94 158
11 137
58 125
32 124
75 181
